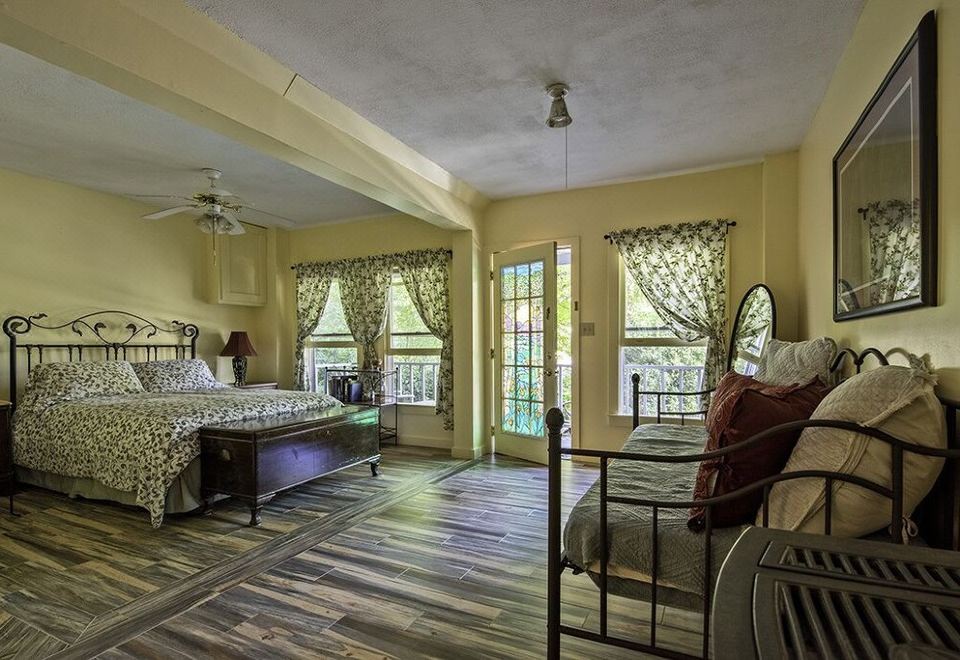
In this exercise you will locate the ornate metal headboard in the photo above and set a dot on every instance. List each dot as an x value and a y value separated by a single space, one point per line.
104 335
858 359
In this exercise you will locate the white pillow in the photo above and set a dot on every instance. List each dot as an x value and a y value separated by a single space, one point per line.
786 363
52 382
176 376
894 399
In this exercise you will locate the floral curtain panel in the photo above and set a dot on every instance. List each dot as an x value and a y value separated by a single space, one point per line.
426 277
893 228
364 284
363 290
681 269
313 289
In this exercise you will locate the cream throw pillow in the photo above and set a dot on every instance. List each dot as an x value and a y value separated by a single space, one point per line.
786 363
897 400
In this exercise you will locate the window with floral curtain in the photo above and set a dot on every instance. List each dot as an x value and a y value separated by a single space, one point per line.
313 289
425 274
681 271
364 286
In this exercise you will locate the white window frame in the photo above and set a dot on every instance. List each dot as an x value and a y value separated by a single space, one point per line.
390 352
312 343
619 340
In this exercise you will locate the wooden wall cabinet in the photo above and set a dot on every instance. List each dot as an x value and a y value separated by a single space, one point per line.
239 272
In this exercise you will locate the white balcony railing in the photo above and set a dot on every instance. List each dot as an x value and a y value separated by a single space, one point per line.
416 382
662 378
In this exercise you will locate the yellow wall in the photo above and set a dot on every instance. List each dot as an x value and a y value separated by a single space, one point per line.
736 193
67 251
380 235
883 29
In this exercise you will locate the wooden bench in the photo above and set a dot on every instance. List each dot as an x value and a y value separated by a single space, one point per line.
255 459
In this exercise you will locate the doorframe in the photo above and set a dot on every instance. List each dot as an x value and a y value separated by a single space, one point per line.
490 396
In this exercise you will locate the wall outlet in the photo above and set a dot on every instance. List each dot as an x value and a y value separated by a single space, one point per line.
587 330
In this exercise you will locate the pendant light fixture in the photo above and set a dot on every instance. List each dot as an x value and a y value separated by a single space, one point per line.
559 117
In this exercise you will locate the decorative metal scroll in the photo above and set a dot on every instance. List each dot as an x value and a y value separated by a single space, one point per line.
136 334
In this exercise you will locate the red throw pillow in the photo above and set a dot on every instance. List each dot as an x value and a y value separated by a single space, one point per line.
741 408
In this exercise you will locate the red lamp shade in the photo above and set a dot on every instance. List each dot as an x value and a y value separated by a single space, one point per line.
238 344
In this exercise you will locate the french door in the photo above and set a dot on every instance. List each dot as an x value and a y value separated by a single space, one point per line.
525 347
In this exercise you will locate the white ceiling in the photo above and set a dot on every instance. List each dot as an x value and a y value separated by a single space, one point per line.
657 85
61 126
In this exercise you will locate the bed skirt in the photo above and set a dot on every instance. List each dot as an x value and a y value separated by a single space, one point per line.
183 495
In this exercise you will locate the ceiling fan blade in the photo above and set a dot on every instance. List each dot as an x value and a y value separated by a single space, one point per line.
220 192
235 227
171 211
186 199
278 219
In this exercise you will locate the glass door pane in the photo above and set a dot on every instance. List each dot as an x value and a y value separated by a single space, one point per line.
525 348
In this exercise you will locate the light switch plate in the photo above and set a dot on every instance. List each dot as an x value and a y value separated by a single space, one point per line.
587 330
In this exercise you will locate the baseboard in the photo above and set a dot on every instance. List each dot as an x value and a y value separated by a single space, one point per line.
425 441
467 453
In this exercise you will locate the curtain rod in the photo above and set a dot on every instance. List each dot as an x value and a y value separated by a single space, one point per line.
449 252
732 223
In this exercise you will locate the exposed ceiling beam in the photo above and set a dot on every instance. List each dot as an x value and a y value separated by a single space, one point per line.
171 57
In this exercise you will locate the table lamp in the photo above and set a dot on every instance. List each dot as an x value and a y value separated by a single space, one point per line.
239 346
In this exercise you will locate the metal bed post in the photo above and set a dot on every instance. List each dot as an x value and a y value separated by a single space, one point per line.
554 433
635 379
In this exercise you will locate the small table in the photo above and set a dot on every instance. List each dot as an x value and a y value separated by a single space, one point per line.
785 594
383 395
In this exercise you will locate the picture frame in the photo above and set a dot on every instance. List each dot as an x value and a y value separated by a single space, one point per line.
885 191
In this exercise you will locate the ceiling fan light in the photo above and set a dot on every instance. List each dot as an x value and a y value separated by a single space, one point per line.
223 225
205 224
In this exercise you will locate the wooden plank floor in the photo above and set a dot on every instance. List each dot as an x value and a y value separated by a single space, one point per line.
436 558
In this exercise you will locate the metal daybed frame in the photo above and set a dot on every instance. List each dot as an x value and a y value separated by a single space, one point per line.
937 514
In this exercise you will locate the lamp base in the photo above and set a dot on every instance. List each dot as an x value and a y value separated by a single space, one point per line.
240 370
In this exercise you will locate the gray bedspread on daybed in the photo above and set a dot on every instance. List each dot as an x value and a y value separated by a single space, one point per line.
680 571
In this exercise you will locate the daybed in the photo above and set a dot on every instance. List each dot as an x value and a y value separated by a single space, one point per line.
629 532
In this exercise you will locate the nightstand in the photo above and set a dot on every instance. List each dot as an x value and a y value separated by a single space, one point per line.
7 481
259 386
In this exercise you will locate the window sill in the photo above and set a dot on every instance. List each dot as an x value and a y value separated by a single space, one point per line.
426 408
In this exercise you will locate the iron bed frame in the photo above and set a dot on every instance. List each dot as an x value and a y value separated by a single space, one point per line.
137 331
938 512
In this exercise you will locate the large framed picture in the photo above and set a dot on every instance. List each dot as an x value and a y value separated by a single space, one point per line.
885 191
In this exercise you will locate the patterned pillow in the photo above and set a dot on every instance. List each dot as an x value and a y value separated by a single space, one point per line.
796 362
176 376
52 382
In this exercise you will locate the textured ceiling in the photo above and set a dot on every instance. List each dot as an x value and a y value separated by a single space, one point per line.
657 85
62 126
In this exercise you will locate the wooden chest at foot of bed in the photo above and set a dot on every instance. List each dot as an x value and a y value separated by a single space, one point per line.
255 459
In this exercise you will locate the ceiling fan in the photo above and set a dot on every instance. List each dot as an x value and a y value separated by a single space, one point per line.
219 208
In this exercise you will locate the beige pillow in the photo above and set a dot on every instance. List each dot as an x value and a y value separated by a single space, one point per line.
786 363
894 399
